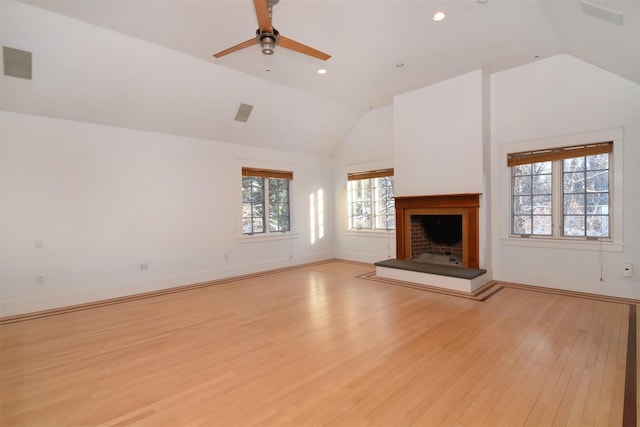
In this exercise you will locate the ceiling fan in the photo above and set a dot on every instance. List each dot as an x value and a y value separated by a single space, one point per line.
268 37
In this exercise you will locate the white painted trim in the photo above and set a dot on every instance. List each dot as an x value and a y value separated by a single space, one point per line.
360 256
596 246
267 237
378 234
427 279
30 304
616 243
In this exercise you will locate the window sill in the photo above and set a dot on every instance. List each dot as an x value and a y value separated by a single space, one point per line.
267 237
382 234
538 242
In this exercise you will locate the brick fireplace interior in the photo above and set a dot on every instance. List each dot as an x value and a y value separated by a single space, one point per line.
436 239
441 229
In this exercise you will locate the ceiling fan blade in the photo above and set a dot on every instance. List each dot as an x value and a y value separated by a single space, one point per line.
262 13
302 48
237 47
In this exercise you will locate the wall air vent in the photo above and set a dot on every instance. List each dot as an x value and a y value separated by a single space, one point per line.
243 113
601 12
17 63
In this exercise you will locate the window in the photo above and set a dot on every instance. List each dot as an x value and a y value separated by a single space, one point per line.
370 198
265 201
561 192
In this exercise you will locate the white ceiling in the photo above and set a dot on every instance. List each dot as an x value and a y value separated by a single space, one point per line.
366 39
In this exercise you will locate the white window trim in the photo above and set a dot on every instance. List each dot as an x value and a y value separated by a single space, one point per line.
267 231
370 232
373 216
268 235
382 234
613 244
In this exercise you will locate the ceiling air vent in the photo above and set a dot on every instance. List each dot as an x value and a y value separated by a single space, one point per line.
601 12
243 113
17 63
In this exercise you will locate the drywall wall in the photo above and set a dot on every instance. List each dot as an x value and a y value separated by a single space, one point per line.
441 144
556 99
369 146
83 205
437 133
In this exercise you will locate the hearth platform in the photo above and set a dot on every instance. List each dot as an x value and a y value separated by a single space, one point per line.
450 277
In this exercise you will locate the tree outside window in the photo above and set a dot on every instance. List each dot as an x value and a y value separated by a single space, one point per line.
561 192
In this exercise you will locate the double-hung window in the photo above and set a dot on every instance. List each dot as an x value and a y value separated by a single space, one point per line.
370 200
562 192
265 201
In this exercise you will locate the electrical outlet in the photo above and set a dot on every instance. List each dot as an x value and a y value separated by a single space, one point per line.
143 266
226 256
39 279
627 271
39 244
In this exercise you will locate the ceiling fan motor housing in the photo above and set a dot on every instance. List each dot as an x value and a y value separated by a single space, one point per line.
268 37
268 41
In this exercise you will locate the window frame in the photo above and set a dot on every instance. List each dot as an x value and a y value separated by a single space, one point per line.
370 175
266 175
614 243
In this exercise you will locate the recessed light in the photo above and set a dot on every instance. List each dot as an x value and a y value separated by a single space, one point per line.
322 71
438 16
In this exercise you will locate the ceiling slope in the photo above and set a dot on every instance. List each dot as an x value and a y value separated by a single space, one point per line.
86 73
149 64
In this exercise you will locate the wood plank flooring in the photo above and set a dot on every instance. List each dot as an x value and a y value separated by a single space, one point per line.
321 346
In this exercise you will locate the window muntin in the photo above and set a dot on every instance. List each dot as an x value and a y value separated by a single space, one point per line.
561 195
265 201
585 193
385 205
278 205
360 203
371 203
252 205
532 199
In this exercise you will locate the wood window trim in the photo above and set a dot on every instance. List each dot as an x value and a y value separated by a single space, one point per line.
559 153
353 176
267 173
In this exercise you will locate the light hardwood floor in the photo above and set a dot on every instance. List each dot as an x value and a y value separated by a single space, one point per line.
320 346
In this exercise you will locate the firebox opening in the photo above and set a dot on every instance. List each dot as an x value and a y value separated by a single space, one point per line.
466 205
437 239
442 229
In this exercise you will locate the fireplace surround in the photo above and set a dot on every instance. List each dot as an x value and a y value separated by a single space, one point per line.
466 205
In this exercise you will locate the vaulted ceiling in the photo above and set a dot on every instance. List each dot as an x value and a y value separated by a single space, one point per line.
128 77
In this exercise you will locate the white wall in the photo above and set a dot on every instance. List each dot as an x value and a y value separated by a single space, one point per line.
438 138
561 97
104 199
456 129
369 146
441 144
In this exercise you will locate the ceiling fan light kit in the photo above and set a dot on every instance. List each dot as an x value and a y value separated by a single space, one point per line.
268 37
267 41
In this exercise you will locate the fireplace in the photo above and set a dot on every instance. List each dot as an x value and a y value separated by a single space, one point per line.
445 226
436 239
